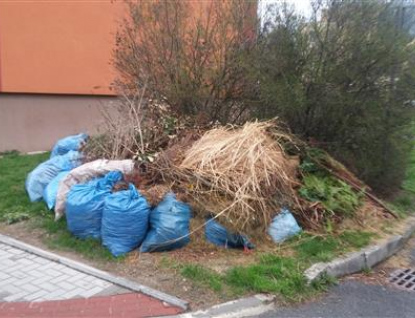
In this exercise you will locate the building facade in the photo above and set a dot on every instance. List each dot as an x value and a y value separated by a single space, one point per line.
55 67
55 70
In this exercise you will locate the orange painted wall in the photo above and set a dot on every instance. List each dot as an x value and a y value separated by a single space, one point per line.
57 46
61 46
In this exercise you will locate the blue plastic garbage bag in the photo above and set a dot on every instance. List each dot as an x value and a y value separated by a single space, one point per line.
283 226
85 204
124 221
39 178
220 236
169 226
67 144
51 190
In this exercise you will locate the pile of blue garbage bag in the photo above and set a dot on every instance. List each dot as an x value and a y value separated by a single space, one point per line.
169 226
64 157
124 220
43 174
85 204
218 234
67 144
51 190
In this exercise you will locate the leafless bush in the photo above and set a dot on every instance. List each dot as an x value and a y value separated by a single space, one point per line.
135 128
190 54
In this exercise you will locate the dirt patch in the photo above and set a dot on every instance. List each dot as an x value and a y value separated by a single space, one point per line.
370 217
404 259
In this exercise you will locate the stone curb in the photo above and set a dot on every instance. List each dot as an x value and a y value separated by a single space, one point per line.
95 272
243 307
365 258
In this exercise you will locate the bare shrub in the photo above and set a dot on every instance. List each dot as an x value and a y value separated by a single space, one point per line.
190 54
135 128
240 174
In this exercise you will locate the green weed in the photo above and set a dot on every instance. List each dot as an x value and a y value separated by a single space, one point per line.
14 217
367 271
308 166
272 274
335 195
202 276
317 249
324 282
324 249
355 239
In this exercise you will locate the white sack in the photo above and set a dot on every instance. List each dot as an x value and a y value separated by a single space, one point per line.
85 173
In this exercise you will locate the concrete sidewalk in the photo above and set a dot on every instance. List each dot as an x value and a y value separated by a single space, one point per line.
27 277
35 286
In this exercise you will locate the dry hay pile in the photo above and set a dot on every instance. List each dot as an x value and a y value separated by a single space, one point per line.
240 175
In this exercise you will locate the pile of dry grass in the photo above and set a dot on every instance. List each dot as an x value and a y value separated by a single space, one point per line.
241 175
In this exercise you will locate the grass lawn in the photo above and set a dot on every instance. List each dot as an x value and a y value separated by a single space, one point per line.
277 274
15 206
14 202
270 273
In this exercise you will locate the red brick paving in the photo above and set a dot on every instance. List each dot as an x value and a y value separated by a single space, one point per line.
132 305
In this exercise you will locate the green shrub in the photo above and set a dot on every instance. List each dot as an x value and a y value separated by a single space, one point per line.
356 239
409 183
344 82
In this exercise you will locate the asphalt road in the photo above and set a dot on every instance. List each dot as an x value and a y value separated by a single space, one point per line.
352 299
